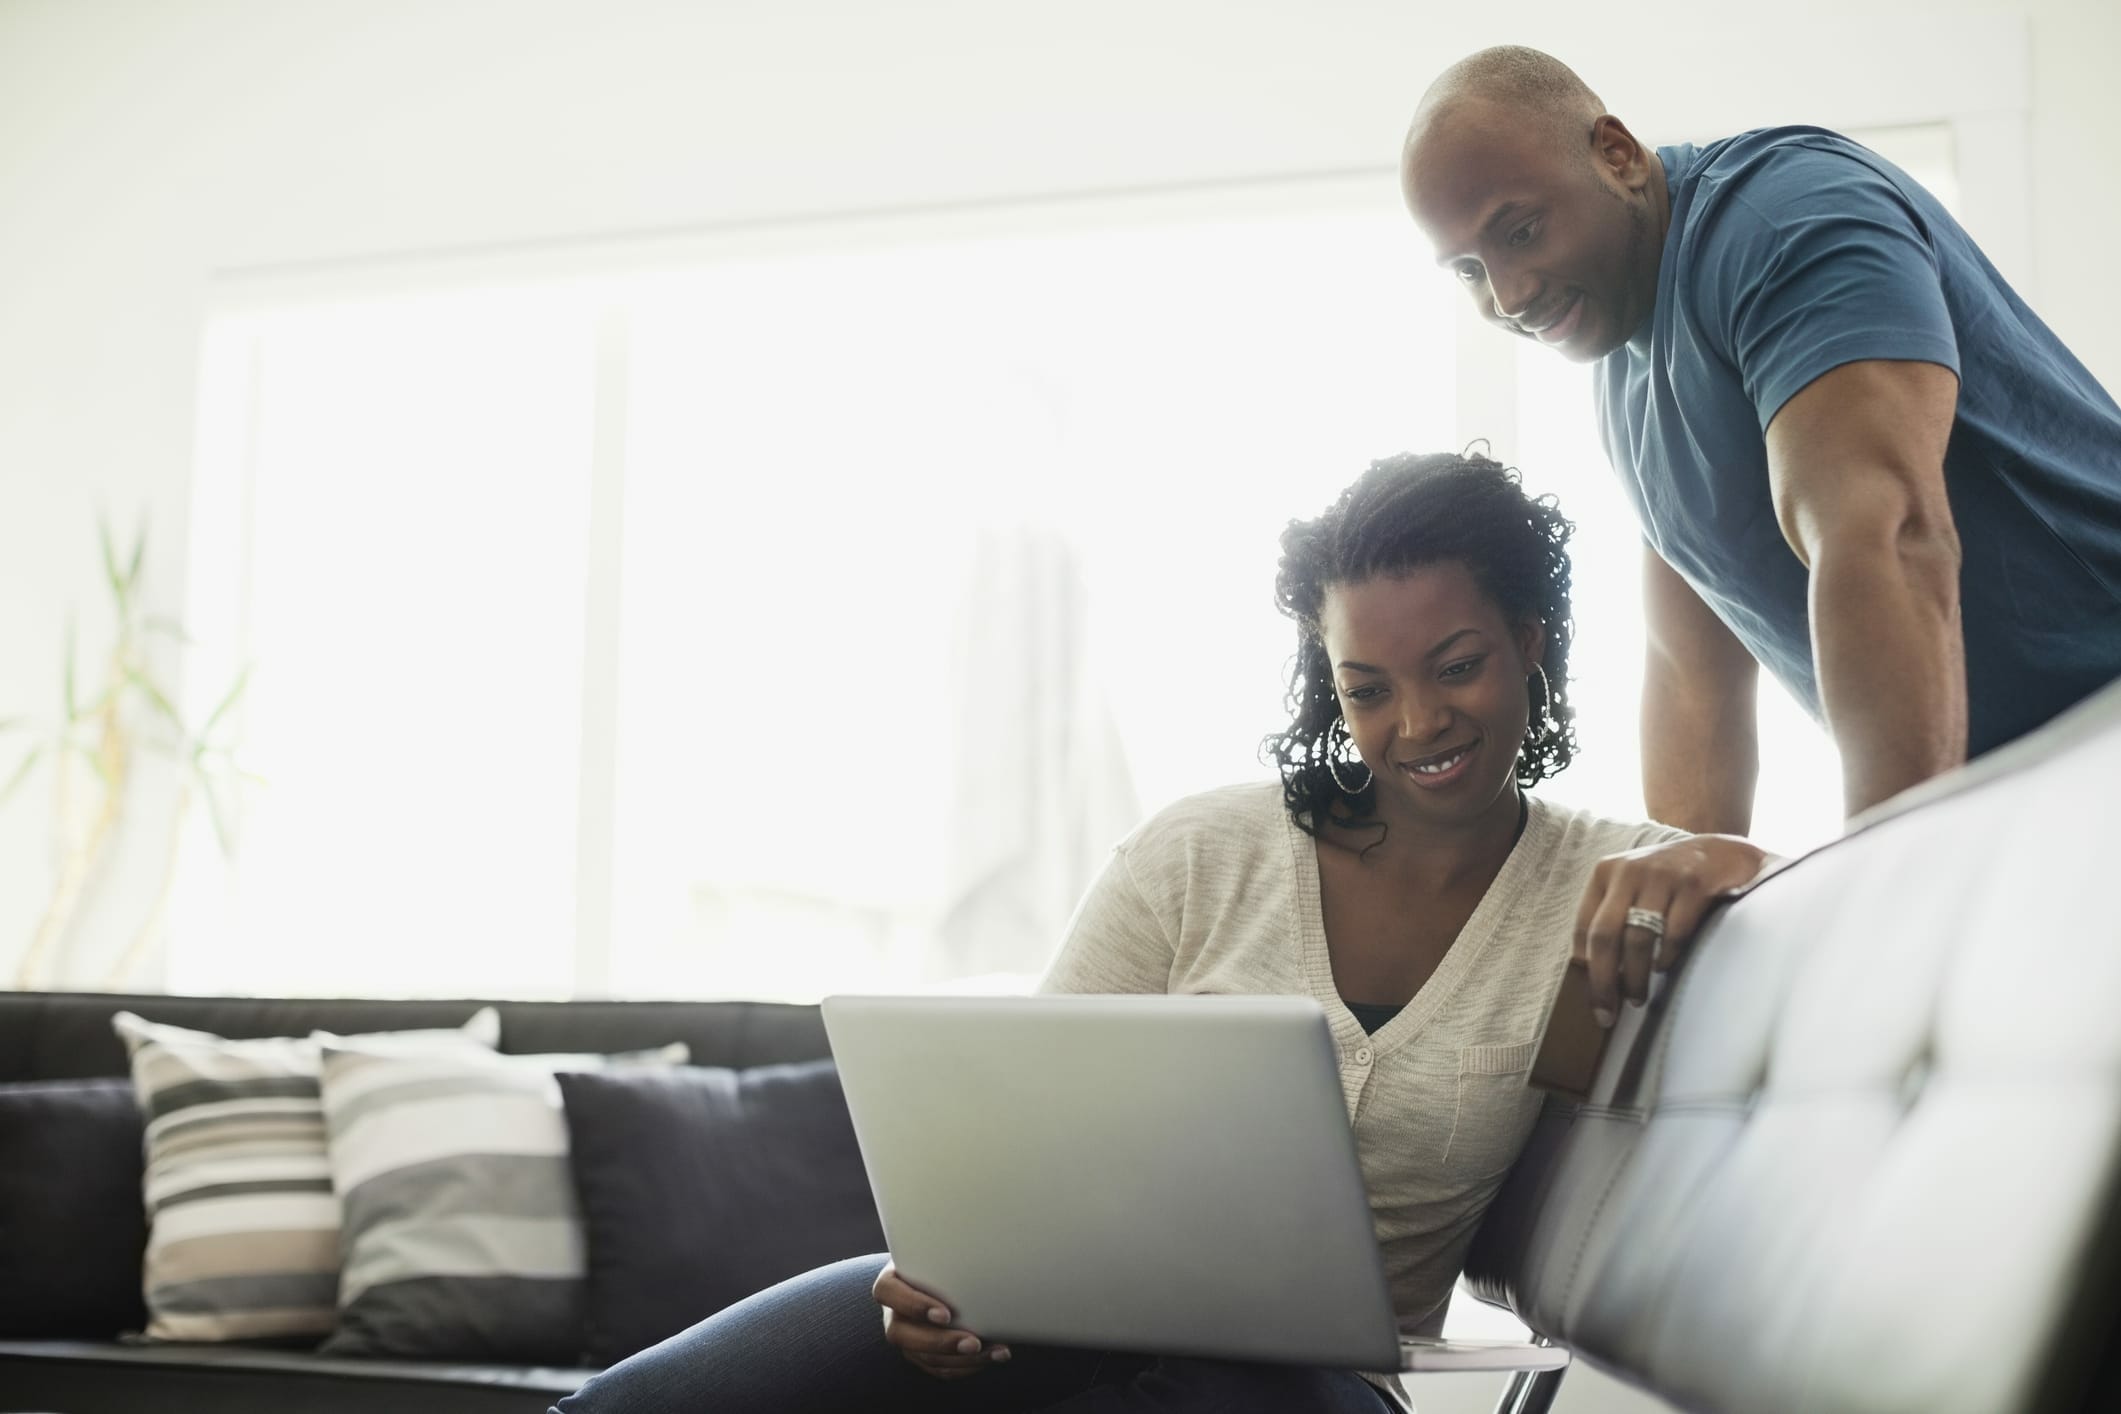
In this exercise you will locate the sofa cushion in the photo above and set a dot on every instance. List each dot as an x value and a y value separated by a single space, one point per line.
73 1229
243 1239
701 1186
462 1236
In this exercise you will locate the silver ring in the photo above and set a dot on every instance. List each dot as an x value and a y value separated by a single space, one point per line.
1649 920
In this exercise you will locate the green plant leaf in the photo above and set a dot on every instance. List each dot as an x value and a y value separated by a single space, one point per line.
110 562
21 773
158 624
214 815
72 711
228 700
154 694
95 762
132 570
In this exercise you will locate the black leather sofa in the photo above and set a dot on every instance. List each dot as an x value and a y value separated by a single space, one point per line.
47 1036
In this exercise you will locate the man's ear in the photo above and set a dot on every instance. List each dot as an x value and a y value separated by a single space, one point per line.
1619 157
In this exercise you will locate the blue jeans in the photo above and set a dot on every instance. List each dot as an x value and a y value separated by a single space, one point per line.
816 1342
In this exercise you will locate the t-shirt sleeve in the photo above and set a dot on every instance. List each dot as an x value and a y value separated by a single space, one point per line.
1813 259
1116 943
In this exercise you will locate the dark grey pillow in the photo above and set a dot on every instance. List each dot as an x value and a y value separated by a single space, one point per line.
701 1186
73 1224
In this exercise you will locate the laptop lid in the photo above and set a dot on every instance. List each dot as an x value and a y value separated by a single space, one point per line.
1165 1174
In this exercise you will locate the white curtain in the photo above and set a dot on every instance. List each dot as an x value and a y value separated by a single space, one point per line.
1041 790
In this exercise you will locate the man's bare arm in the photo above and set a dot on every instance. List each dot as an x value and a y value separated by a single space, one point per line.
1700 750
1856 462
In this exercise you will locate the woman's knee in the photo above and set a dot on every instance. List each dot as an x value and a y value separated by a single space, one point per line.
816 1331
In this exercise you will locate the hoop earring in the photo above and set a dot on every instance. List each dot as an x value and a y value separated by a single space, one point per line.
1336 734
1540 724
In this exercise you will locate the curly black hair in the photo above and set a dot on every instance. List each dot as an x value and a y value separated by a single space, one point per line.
1405 512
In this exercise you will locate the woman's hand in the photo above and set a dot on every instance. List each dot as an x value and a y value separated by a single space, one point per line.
1643 907
919 1325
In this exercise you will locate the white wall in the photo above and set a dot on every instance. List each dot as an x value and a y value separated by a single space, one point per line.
152 150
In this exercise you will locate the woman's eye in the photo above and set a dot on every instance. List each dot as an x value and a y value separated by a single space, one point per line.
1523 234
1467 274
1461 668
1364 693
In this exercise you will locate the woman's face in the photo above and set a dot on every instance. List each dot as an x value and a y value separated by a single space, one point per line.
1431 677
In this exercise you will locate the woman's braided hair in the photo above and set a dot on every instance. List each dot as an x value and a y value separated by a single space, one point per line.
1405 512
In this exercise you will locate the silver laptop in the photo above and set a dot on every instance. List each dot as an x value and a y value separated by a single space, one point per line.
1165 1174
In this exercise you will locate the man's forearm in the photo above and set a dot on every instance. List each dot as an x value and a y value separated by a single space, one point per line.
1700 750
1891 659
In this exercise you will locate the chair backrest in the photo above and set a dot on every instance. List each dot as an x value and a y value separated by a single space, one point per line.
1861 1152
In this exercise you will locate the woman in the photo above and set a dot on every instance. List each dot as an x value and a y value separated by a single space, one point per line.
1399 873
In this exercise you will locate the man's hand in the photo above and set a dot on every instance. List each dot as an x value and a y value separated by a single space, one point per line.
919 1325
1700 748
1856 464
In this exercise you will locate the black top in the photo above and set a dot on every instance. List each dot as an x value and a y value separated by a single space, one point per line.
1374 1015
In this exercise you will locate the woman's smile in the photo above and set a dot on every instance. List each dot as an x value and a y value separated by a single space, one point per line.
1441 768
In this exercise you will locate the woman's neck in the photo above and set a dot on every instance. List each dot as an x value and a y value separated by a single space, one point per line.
1439 858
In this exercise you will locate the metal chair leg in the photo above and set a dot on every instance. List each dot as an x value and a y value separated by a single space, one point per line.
1530 1392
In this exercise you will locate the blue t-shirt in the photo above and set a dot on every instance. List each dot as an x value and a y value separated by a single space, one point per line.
1792 251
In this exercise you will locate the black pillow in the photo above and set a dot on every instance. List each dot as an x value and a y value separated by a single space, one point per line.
700 1186
73 1225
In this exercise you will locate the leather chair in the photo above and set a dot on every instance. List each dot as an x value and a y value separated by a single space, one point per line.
1860 1153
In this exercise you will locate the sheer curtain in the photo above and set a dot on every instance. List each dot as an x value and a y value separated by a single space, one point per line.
997 523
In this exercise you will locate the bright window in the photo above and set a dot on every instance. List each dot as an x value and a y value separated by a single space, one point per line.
941 563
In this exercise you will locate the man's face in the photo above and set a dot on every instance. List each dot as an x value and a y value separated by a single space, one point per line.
1551 239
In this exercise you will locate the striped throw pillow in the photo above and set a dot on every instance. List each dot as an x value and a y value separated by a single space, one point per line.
243 1227
463 1238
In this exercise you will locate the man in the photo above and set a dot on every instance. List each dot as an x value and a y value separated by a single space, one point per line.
1858 457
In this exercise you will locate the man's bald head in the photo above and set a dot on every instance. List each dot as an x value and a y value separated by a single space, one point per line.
1532 87
1542 203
